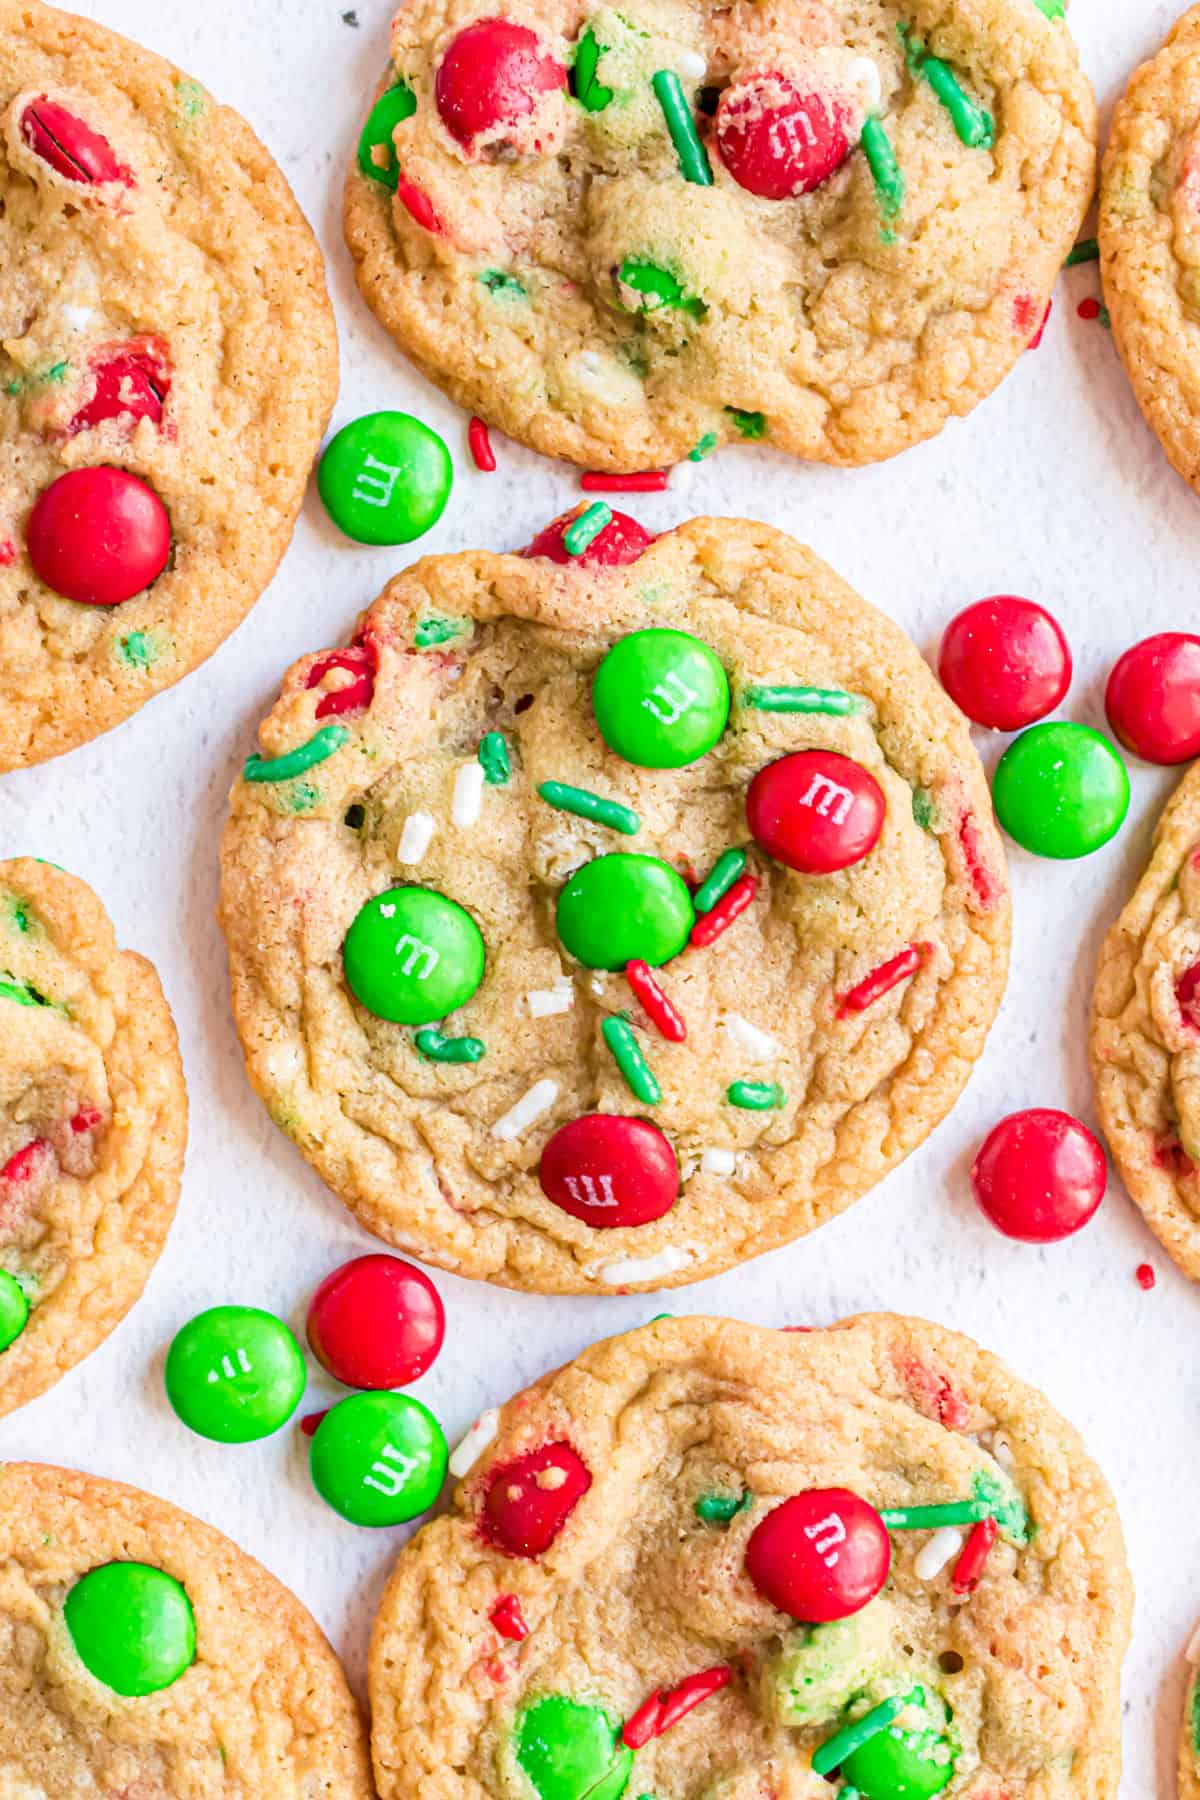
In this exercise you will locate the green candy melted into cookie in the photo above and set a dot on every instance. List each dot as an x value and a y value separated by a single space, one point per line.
904 1762
821 1668
1007 1506
572 1751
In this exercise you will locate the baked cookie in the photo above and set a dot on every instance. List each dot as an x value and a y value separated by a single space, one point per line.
601 920
624 233
93 1122
1145 1034
168 361
1150 241
1189 1742
611 1607
143 1656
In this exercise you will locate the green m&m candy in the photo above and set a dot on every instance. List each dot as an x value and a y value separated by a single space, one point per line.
413 956
385 478
624 908
132 1627
661 699
378 1458
376 152
570 1750
1061 790
234 1374
14 1309
899 1764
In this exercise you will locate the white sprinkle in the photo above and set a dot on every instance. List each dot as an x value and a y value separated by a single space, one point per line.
691 65
1193 1650
865 75
718 1162
468 794
645 1268
416 837
79 317
943 1545
1002 1452
759 1046
558 999
472 1447
683 473
540 1097
597 986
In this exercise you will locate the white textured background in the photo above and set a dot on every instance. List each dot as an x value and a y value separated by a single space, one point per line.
1053 489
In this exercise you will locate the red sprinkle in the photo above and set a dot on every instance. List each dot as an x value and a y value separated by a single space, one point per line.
1088 309
8 552
27 1162
968 1570
310 1421
669 1705
1040 333
646 481
359 661
86 1119
657 1007
883 979
480 446
1146 1278
987 888
720 917
508 1618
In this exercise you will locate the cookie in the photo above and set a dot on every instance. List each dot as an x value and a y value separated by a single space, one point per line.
624 234
600 920
1150 241
93 1122
1189 1741
143 1656
168 361
1145 1033
610 1607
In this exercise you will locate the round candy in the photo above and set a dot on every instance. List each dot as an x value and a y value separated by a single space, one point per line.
1039 1175
622 541
899 1764
610 1171
14 1309
413 956
624 908
1004 662
528 1501
492 77
816 811
234 1374
777 140
132 1627
99 536
1061 790
376 1322
378 1459
661 699
1153 698
385 478
572 1751
821 1555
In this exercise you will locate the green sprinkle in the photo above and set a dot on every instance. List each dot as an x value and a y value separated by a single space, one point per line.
586 805
1004 1504
13 388
433 631
1086 250
705 447
20 992
137 650
1195 1709
588 526
802 700
885 170
835 1750
192 98
626 1053
19 917
297 761
591 94
932 1518
719 1509
493 758
922 808
693 157
975 127
756 1096
750 424
497 282
1053 9
441 1049
725 871
658 287
56 374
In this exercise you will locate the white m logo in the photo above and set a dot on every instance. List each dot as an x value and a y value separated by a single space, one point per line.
375 482
387 1478
591 1190
828 799
676 697
835 1534
417 951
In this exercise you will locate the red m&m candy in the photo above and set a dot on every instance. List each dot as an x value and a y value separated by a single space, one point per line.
492 82
622 541
98 536
820 1556
610 1171
816 811
132 380
376 1323
1039 1175
1153 698
71 148
1004 662
529 1501
358 662
777 140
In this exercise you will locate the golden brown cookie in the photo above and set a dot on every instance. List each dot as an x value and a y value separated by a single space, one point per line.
1145 1034
612 1568
168 361
880 198
1150 241
93 1122
829 1019
260 1710
1189 1740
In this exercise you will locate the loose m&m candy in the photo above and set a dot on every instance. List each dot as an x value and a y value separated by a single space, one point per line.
1061 790
1153 698
376 1322
98 536
816 811
385 478
1004 662
132 1626
412 956
661 699
1039 1175
820 1556
234 1374
610 1171
378 1459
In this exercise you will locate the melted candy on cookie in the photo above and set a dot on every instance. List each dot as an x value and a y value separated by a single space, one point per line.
529 1501
70 146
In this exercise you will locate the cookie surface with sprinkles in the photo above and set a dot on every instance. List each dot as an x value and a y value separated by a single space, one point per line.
767 1002
144 1656
168 360
657 1513
628 235
93 1122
